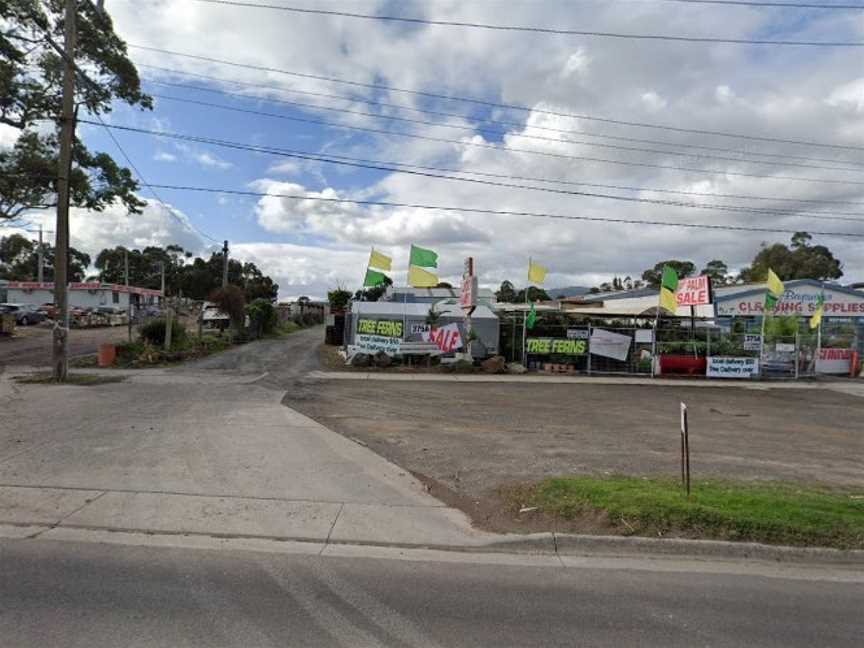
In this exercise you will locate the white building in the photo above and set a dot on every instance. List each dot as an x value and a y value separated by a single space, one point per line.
81 295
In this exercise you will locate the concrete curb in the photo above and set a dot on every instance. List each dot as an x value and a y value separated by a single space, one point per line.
536 544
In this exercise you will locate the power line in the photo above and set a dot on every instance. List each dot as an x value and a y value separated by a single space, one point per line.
494 147
482 129
493 104
496 212
776 5
536 30
379 167
148 185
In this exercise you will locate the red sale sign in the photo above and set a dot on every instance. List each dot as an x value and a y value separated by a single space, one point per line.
693 291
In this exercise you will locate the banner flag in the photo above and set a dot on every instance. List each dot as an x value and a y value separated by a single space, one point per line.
816 319
380 261
775 286
423 258
668 285
536 272
420 278
531 319
373 278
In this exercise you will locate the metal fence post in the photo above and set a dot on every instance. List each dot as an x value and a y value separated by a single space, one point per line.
589 348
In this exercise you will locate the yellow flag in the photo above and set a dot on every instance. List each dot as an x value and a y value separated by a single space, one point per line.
420 278
816 319
536 272
668 301
775 286
379 261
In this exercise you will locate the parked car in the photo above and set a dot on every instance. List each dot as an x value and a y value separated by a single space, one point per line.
25 314
48 310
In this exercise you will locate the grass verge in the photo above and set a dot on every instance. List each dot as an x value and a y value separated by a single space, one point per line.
82 380
769 512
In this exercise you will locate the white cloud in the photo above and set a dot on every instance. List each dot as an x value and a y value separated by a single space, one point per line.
210 160
8 136
163 156
653 101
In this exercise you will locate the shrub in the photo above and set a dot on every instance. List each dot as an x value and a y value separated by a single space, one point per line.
262 315
154 332
231 301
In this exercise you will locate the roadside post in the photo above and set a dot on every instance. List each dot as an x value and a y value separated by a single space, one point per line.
468 301
685 451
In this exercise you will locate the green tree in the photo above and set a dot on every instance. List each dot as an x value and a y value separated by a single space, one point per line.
506 293
338 299
31 73
717 271
375 293
19 260
683 268
534 294
798 261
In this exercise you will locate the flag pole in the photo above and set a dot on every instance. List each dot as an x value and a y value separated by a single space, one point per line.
525 320
762 336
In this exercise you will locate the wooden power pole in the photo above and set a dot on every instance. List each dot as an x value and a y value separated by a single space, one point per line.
59 351
225 264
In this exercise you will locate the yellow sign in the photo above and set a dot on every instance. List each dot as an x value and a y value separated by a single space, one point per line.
386 328
556 346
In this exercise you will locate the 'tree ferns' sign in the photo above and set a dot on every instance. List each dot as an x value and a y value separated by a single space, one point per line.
557 346
386 328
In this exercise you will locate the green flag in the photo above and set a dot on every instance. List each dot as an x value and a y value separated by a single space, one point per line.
373 278
423 258
770 302
531 319
669 281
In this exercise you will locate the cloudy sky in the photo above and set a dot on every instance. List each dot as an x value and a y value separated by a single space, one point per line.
308 245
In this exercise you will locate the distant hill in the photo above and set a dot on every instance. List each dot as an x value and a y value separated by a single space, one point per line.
568 291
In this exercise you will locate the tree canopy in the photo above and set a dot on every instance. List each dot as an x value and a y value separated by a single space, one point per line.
800 260
683 268
31 74
19 260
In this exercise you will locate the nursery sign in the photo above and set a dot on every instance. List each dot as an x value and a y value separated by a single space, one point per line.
730 367
558 346
447 337
372 344
693 291
386 328
752 342
833 361
610 345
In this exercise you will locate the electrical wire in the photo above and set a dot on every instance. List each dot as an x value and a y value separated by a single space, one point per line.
438 113
493 104
483 130
774 5
447 208
494 147
536 30
393 169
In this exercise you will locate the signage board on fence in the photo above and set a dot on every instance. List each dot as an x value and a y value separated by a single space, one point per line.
577 334
731 367
784 347
801 300
448 338
693 291
610 345
833 361
556 346
385 328
420 329
372 344
644 336
752 342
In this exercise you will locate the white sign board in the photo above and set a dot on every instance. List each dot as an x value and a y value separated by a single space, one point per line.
731 367
693 291
609 345
784 347
834 361
644 336
752 342
447 338
420 329
798 301
371 344
577 334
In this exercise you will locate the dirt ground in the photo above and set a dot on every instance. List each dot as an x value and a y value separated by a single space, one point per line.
31 345
467 440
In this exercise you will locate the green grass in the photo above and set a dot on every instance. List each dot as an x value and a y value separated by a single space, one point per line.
770 512
81 380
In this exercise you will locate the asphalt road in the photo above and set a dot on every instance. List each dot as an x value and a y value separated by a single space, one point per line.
64 594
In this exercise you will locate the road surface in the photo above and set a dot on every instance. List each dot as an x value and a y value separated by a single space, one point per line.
64 594
31 347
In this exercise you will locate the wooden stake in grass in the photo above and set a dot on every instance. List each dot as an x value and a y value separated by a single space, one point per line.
685 451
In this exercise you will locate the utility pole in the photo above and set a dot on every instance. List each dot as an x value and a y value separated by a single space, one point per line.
128 295
40 273
225 264
59 350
